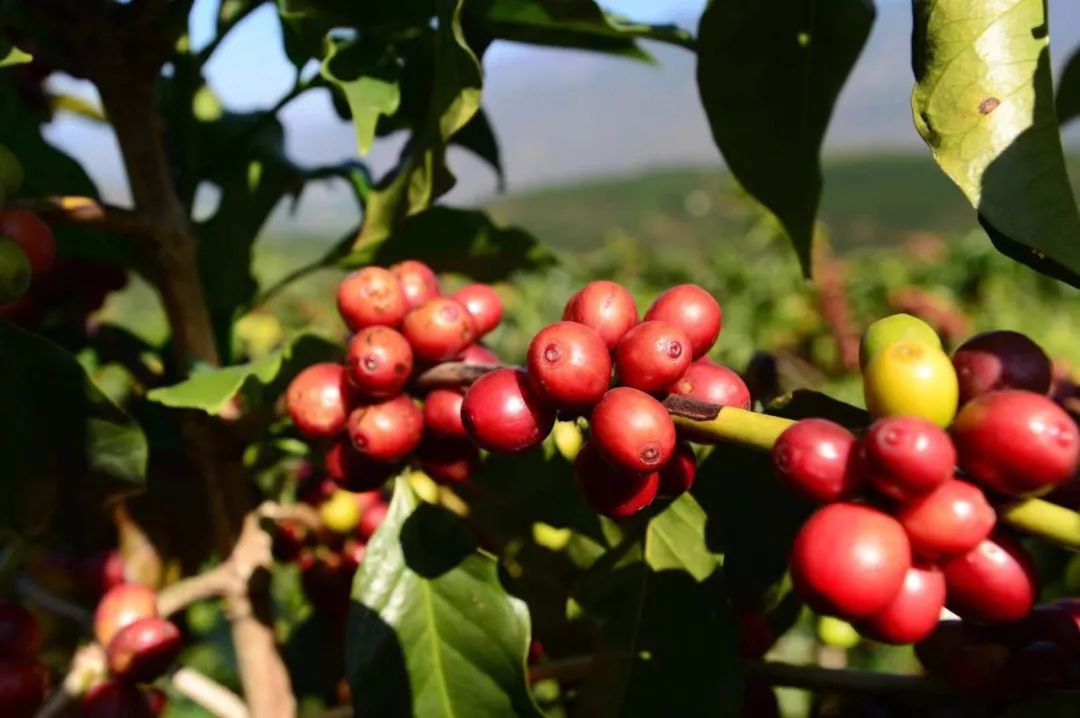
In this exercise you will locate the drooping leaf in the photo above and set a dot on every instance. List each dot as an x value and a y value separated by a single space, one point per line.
986 110
1067 98
213 389
769 73
432 631
368 77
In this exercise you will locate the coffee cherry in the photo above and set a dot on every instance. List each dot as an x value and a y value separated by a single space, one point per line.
33 235
442 412
340 513
439 329
387 431
952 519
849 560
909 378
23 683
609 490
483 304
606 307
712 383
448 461
11 172
20 636
379 361
977 671
144 650
354 471
14 271
319 400
652 356
569 366
418 282
632 430
1016 442
756 636
1037 669
679 472
120 607
892 329
371 297
478 354
905 456
372 519
1001 360
115 699
913 613
101 571
995 582
157 699
503 414
836 632
816 459
692 309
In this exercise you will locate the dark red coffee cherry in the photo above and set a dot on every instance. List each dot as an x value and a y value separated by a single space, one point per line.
23 684
319 400
442 412
32 235
371 297
952 519
387 431
905 457
816 459
849 560
439 329
652 356
609 490
115 699
1016 442
995 582
606 307
144 650
712 383
483 304
756 636
157 699
1037 669
478 354
418 282
503 414
632 430
379 360
693 310
913 613
354 471
1001 360
679 472
20 636
447 460
569 365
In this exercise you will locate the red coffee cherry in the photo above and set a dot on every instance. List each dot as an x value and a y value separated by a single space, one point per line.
707 381
387 431
995 582
115 699
379 360
756 636
1037 669
609 490
157 699
319 400
120 607
651 356
483 304
442 412
101 571
953 519
679 473
32 235
439 329
1001 360
569 365
606 307
905 457
816 459
632 430
503 414
23 684
447 460
1016 442
371 519
478 354
354 471
418 282
693 310
849 560
371 297
144 650
20 636
913 613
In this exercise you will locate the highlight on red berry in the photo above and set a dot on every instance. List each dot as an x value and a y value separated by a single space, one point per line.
439 329
693 310
371 296
606 307
569 366
483 304
502 413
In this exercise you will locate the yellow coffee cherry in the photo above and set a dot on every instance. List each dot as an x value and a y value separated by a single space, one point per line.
892 329
835 632
340 513
911 378
568 439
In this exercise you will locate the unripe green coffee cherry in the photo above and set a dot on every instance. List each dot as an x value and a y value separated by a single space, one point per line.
11 172
14 271
892 329
837 632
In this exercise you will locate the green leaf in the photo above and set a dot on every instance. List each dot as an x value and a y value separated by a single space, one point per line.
1067 99
986 110
368 77
432 631
769 73
478 137
675 539
457 240
11 55
212 389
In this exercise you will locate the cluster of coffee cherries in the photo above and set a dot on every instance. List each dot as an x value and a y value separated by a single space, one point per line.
908 526
24 679
633 453
402 325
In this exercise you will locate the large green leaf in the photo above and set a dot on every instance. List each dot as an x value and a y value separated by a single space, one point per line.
769 72
984 103
1067 99
675 539
432 631
368 77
